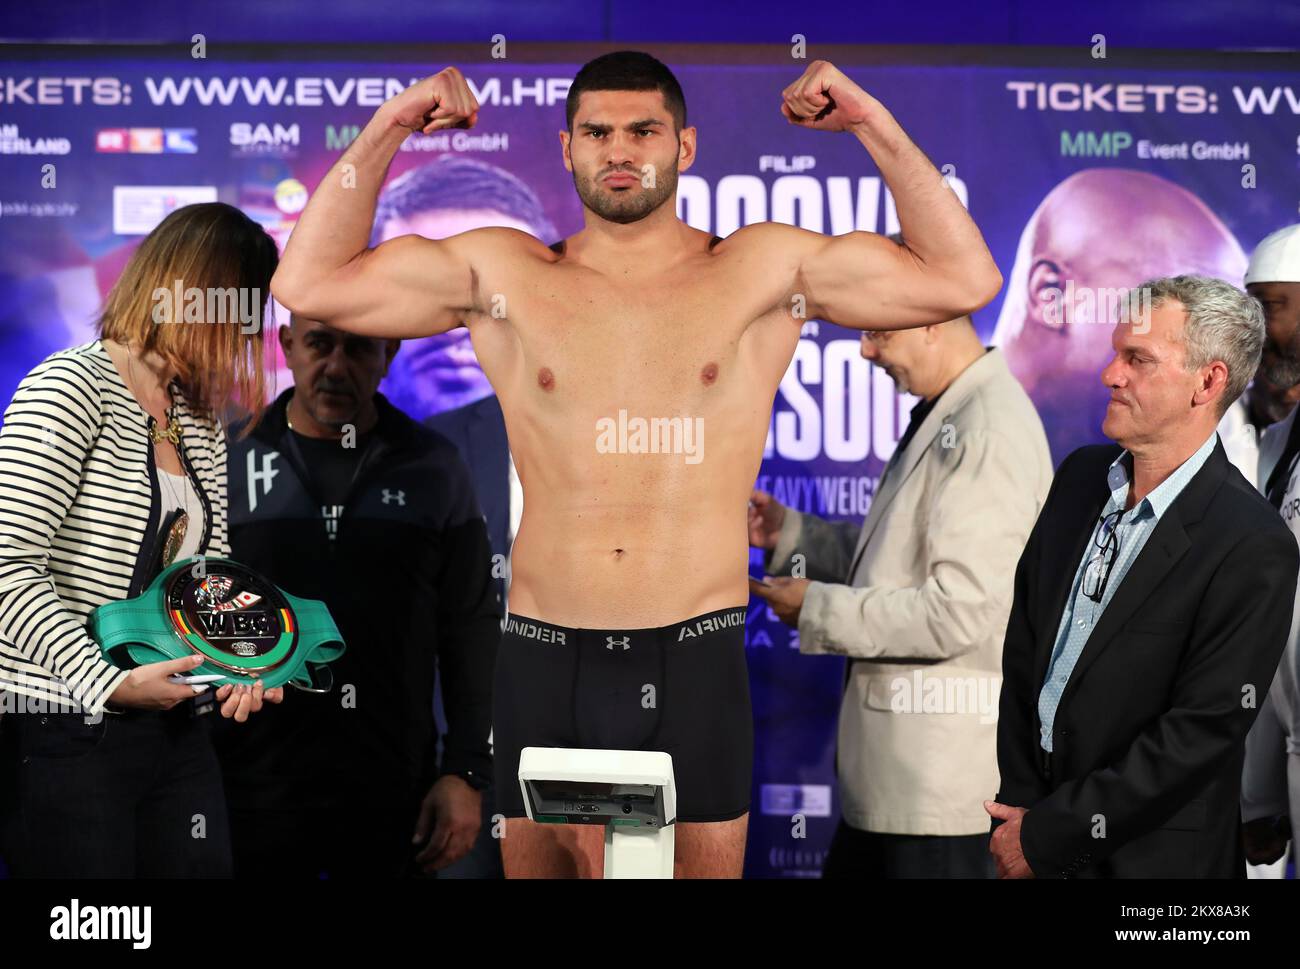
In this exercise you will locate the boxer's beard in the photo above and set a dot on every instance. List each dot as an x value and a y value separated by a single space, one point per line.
631 204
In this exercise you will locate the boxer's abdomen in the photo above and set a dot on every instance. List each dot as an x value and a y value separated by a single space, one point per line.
635 502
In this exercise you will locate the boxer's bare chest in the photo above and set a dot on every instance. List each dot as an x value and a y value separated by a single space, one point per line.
571 340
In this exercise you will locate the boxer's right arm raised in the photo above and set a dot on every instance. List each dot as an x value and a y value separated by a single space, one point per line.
409 286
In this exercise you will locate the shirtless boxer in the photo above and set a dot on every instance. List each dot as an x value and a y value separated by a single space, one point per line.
629 570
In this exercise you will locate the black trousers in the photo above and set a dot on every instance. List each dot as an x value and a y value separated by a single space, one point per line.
365 833
133 795
870 854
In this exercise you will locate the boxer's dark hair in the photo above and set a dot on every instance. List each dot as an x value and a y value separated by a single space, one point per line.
627 70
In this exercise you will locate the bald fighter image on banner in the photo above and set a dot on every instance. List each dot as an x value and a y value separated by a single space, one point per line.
1088 240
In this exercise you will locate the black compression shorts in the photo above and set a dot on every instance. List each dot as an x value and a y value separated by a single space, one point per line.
682 689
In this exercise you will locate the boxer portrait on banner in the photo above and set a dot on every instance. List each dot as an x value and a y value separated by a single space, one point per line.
1096 233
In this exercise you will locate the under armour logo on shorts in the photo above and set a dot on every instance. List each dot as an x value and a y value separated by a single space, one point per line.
399 497
625 642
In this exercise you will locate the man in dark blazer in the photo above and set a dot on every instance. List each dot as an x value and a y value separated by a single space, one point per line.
1152 604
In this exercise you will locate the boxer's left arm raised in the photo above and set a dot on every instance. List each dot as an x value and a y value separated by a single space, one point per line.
861 279
409 286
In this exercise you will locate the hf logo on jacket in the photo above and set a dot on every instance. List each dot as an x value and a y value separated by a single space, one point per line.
270 493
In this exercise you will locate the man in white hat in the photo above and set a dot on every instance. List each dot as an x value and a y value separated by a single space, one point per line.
1276 388
1270 793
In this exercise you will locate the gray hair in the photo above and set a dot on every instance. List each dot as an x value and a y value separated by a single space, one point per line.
1223 323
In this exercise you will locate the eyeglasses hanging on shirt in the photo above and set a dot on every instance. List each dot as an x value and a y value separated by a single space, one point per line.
1106 541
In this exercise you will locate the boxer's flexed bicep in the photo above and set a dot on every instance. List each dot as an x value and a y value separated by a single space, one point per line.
865 281
406 287
859 280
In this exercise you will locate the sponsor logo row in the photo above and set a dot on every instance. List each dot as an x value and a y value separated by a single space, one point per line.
246 140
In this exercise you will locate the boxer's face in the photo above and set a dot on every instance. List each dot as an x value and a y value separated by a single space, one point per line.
335 374
1279 364
1150 391
625 154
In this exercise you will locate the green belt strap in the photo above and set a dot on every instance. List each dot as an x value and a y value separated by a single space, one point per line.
132 632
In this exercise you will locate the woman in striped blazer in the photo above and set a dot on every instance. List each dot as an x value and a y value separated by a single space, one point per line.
112 465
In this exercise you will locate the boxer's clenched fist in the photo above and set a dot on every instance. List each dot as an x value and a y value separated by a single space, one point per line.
441 101
824 99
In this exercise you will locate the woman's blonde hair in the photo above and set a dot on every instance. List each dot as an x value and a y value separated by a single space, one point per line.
195 292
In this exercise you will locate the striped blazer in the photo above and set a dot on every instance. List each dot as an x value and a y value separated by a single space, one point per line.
79 518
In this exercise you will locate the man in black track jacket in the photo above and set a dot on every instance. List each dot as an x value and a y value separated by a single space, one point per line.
337 495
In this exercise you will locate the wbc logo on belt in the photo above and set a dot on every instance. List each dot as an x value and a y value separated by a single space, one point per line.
233 616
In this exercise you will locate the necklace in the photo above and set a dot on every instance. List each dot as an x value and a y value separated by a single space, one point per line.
289 420
158 432
171 432
176 534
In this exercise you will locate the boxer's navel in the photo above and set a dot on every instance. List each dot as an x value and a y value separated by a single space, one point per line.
710 373
546 379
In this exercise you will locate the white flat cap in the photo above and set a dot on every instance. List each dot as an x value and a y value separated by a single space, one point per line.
1277 258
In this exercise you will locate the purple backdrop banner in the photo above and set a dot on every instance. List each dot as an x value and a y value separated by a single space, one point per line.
1084 181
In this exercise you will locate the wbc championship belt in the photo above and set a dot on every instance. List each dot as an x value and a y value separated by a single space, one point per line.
244 627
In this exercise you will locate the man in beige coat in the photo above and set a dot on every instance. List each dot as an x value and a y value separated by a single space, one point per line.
918 600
